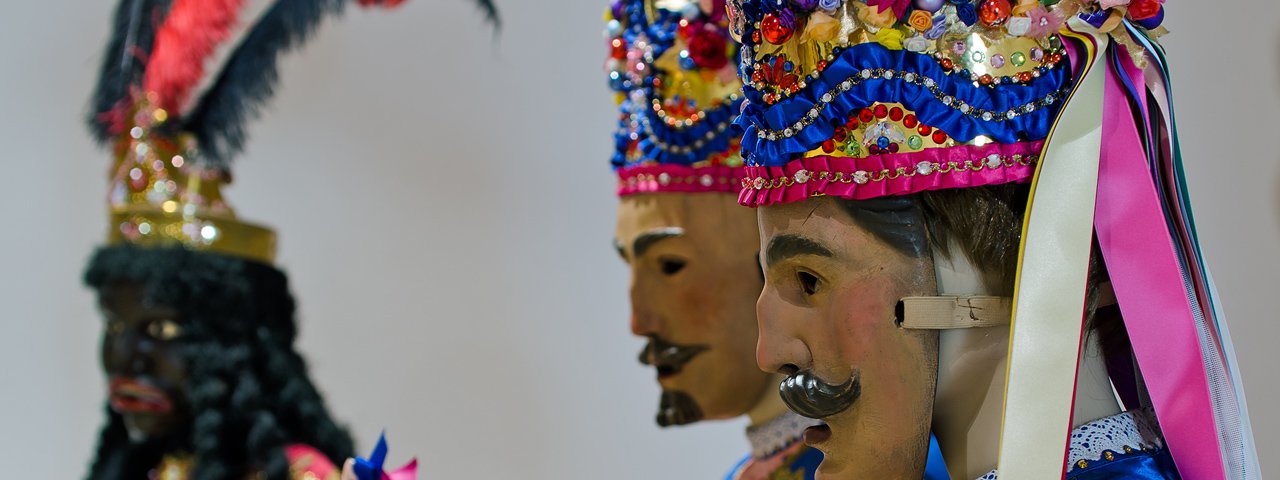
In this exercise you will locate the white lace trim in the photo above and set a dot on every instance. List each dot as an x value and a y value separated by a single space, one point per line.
1135 430
776 435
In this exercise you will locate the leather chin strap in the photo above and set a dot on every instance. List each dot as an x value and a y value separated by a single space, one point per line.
948 312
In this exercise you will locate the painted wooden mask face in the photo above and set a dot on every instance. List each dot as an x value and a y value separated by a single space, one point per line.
834 273
142 358
695 279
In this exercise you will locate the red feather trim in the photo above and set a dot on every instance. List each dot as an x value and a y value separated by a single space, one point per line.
381 3
190 34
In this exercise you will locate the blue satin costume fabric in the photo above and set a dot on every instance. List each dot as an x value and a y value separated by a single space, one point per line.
1139 465
806 463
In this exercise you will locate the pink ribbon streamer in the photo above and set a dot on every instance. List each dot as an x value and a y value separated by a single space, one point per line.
1136 243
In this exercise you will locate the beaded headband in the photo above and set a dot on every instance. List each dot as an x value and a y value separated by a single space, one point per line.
674 69
860 99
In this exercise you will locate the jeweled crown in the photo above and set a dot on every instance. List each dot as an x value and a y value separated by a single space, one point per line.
864 98
160 196
674 69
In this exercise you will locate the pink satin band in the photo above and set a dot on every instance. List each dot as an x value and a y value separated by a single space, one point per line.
1148 281
678 179
891 174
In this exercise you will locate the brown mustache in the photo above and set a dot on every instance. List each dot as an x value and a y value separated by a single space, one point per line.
666 356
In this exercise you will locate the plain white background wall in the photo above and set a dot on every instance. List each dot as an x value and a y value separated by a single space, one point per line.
446 210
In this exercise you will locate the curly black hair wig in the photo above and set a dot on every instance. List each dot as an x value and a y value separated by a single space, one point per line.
249 389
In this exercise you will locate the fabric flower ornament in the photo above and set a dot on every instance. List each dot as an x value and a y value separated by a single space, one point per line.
891 38
965 12
708 49
899 7
939 28
1018 26
1021 8
821 28
875 19
829 6
805 5
921 20
1144 9
918 44
1043 23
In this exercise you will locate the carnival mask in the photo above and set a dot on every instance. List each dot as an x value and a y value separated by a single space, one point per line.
694 281
834 273
141 356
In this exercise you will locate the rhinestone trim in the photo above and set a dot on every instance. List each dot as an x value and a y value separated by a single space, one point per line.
686 149
914 79
863 177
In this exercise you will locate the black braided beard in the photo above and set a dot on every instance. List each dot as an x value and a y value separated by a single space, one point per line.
677 408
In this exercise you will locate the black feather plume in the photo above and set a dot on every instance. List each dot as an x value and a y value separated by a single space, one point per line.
490 12
250 75
132 37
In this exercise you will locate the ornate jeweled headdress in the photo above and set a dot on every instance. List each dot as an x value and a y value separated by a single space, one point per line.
172 155
867 98
675 71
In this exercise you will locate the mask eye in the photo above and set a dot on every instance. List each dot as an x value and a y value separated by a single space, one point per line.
164 330
671 266
114 326
809 283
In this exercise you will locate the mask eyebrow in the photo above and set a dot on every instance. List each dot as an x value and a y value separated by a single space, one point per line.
647 240
783 247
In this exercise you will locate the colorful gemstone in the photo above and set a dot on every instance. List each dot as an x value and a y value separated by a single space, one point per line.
881 111
829 146
774 29
947 64
939 137
997 60
619 49
915 142
895 114
852 149
1037 54
1018 59
925 129
959 48
840 135
883 142
910 121
866 116
993 13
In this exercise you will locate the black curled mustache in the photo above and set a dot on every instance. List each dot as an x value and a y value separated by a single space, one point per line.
809 396
666 355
